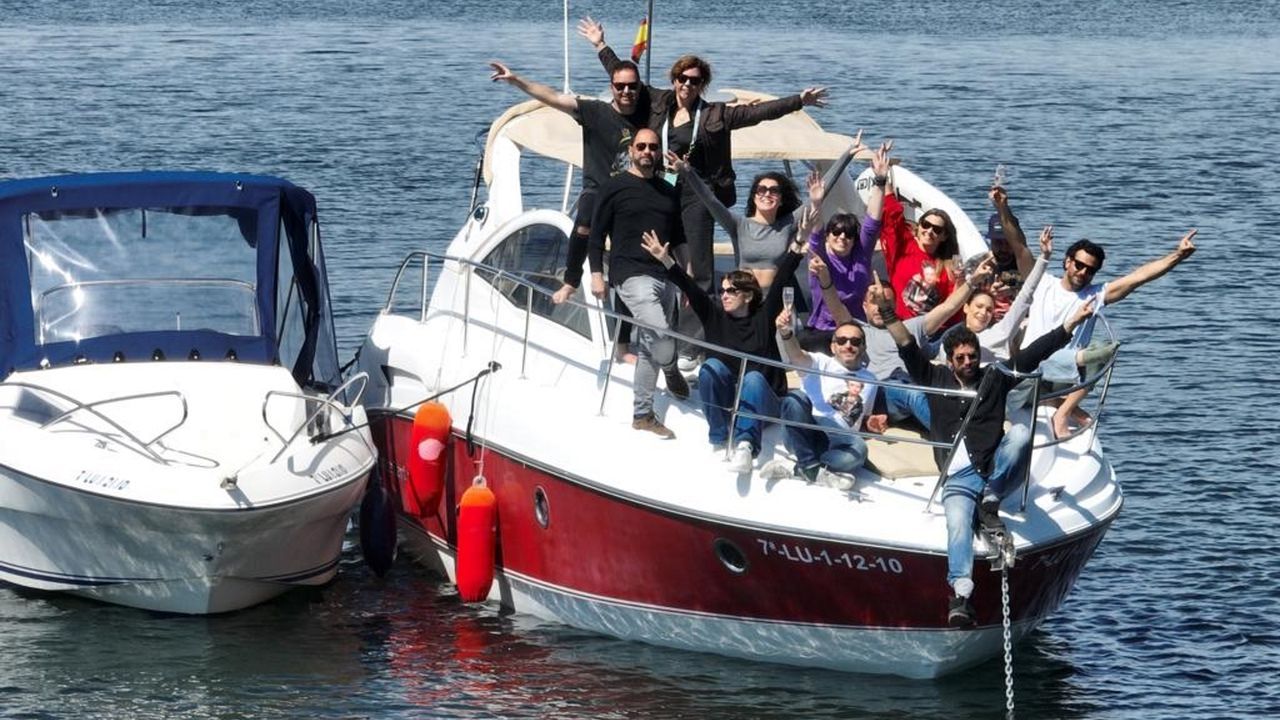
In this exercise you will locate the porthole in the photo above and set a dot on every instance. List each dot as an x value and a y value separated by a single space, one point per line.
541 508
731 556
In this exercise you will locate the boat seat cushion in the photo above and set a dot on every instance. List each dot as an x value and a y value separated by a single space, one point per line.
900 459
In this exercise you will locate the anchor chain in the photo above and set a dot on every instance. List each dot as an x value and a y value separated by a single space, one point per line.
1008 641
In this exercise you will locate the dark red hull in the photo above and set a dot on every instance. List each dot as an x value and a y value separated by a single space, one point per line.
603 545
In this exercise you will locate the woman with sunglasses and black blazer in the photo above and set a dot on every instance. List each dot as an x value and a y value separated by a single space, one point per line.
699 132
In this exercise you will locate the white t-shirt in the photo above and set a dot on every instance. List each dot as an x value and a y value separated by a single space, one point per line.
1052 304
823 390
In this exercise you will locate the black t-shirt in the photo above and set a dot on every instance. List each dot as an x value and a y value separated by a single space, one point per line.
627 206
680 138
605 138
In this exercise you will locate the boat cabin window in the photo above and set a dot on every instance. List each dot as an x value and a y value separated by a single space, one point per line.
537 254
291 309
106 271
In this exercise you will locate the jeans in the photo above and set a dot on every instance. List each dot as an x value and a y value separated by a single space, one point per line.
838 452
961 493
715 388
651 301
903 402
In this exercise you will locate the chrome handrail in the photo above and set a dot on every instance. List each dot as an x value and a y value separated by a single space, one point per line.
143 448
323 405
468 266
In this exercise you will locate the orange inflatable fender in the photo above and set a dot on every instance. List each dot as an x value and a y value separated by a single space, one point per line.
477 540
428 441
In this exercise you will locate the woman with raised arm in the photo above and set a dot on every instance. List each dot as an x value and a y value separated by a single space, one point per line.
919 260
845 248
744 322
761 236
699 132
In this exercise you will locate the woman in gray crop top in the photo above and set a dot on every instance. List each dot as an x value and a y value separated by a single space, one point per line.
761 237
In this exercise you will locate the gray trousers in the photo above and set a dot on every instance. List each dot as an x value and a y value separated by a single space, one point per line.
652 301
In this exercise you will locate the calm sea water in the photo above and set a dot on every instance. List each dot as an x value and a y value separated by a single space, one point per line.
1127 122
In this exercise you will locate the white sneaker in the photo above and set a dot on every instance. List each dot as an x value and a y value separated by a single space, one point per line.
687 365
839 481
741 461
777 470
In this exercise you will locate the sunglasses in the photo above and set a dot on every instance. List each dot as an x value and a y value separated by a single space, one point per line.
644 147
733 291
926 225
774 190
964 358
846 340
624 86
841 232
694 80
1083 267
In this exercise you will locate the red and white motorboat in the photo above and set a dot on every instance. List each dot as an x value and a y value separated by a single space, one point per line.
617 531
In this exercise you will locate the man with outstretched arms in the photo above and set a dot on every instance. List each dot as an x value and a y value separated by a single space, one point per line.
607 130
1056 299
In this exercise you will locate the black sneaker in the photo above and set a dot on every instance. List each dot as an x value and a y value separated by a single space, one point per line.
959 612
808 474
989 515
676 384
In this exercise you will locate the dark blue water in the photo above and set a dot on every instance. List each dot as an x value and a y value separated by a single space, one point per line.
1126 122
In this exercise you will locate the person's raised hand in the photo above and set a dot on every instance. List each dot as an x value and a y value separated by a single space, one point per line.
592 31
813 96
501 72
818 268
999 196
880 159
783 321
1082 313
1046 242
982 275
1185 246
675 163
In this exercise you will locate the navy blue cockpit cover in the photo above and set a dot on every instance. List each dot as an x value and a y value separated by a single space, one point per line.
275 204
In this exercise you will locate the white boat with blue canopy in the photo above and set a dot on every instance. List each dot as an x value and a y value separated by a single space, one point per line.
175 432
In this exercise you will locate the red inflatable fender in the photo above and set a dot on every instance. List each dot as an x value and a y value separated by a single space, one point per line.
426 462
477 540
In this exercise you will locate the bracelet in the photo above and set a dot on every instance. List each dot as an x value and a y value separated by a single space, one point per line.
788 336
827 286
880 181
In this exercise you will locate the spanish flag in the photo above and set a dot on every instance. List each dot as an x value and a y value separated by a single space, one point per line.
642 41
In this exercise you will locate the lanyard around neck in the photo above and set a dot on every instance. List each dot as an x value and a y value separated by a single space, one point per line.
693 139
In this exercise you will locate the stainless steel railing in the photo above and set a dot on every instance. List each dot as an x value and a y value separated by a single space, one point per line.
466 268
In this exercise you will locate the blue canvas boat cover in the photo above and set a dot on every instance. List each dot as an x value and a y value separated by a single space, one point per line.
139 266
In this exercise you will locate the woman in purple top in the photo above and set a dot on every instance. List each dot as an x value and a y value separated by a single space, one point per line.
848 262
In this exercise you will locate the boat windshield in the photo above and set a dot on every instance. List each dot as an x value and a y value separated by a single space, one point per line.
109 271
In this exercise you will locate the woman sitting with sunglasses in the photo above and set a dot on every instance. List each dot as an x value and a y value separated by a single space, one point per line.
919 261
699 131
761 237
743 322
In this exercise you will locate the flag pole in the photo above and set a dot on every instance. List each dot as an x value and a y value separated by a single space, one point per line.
648 59
566 45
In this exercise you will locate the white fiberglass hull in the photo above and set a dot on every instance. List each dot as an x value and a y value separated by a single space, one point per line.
217 524
182 560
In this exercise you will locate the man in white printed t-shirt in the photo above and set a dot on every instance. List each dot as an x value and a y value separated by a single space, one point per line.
1057 299
841 403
